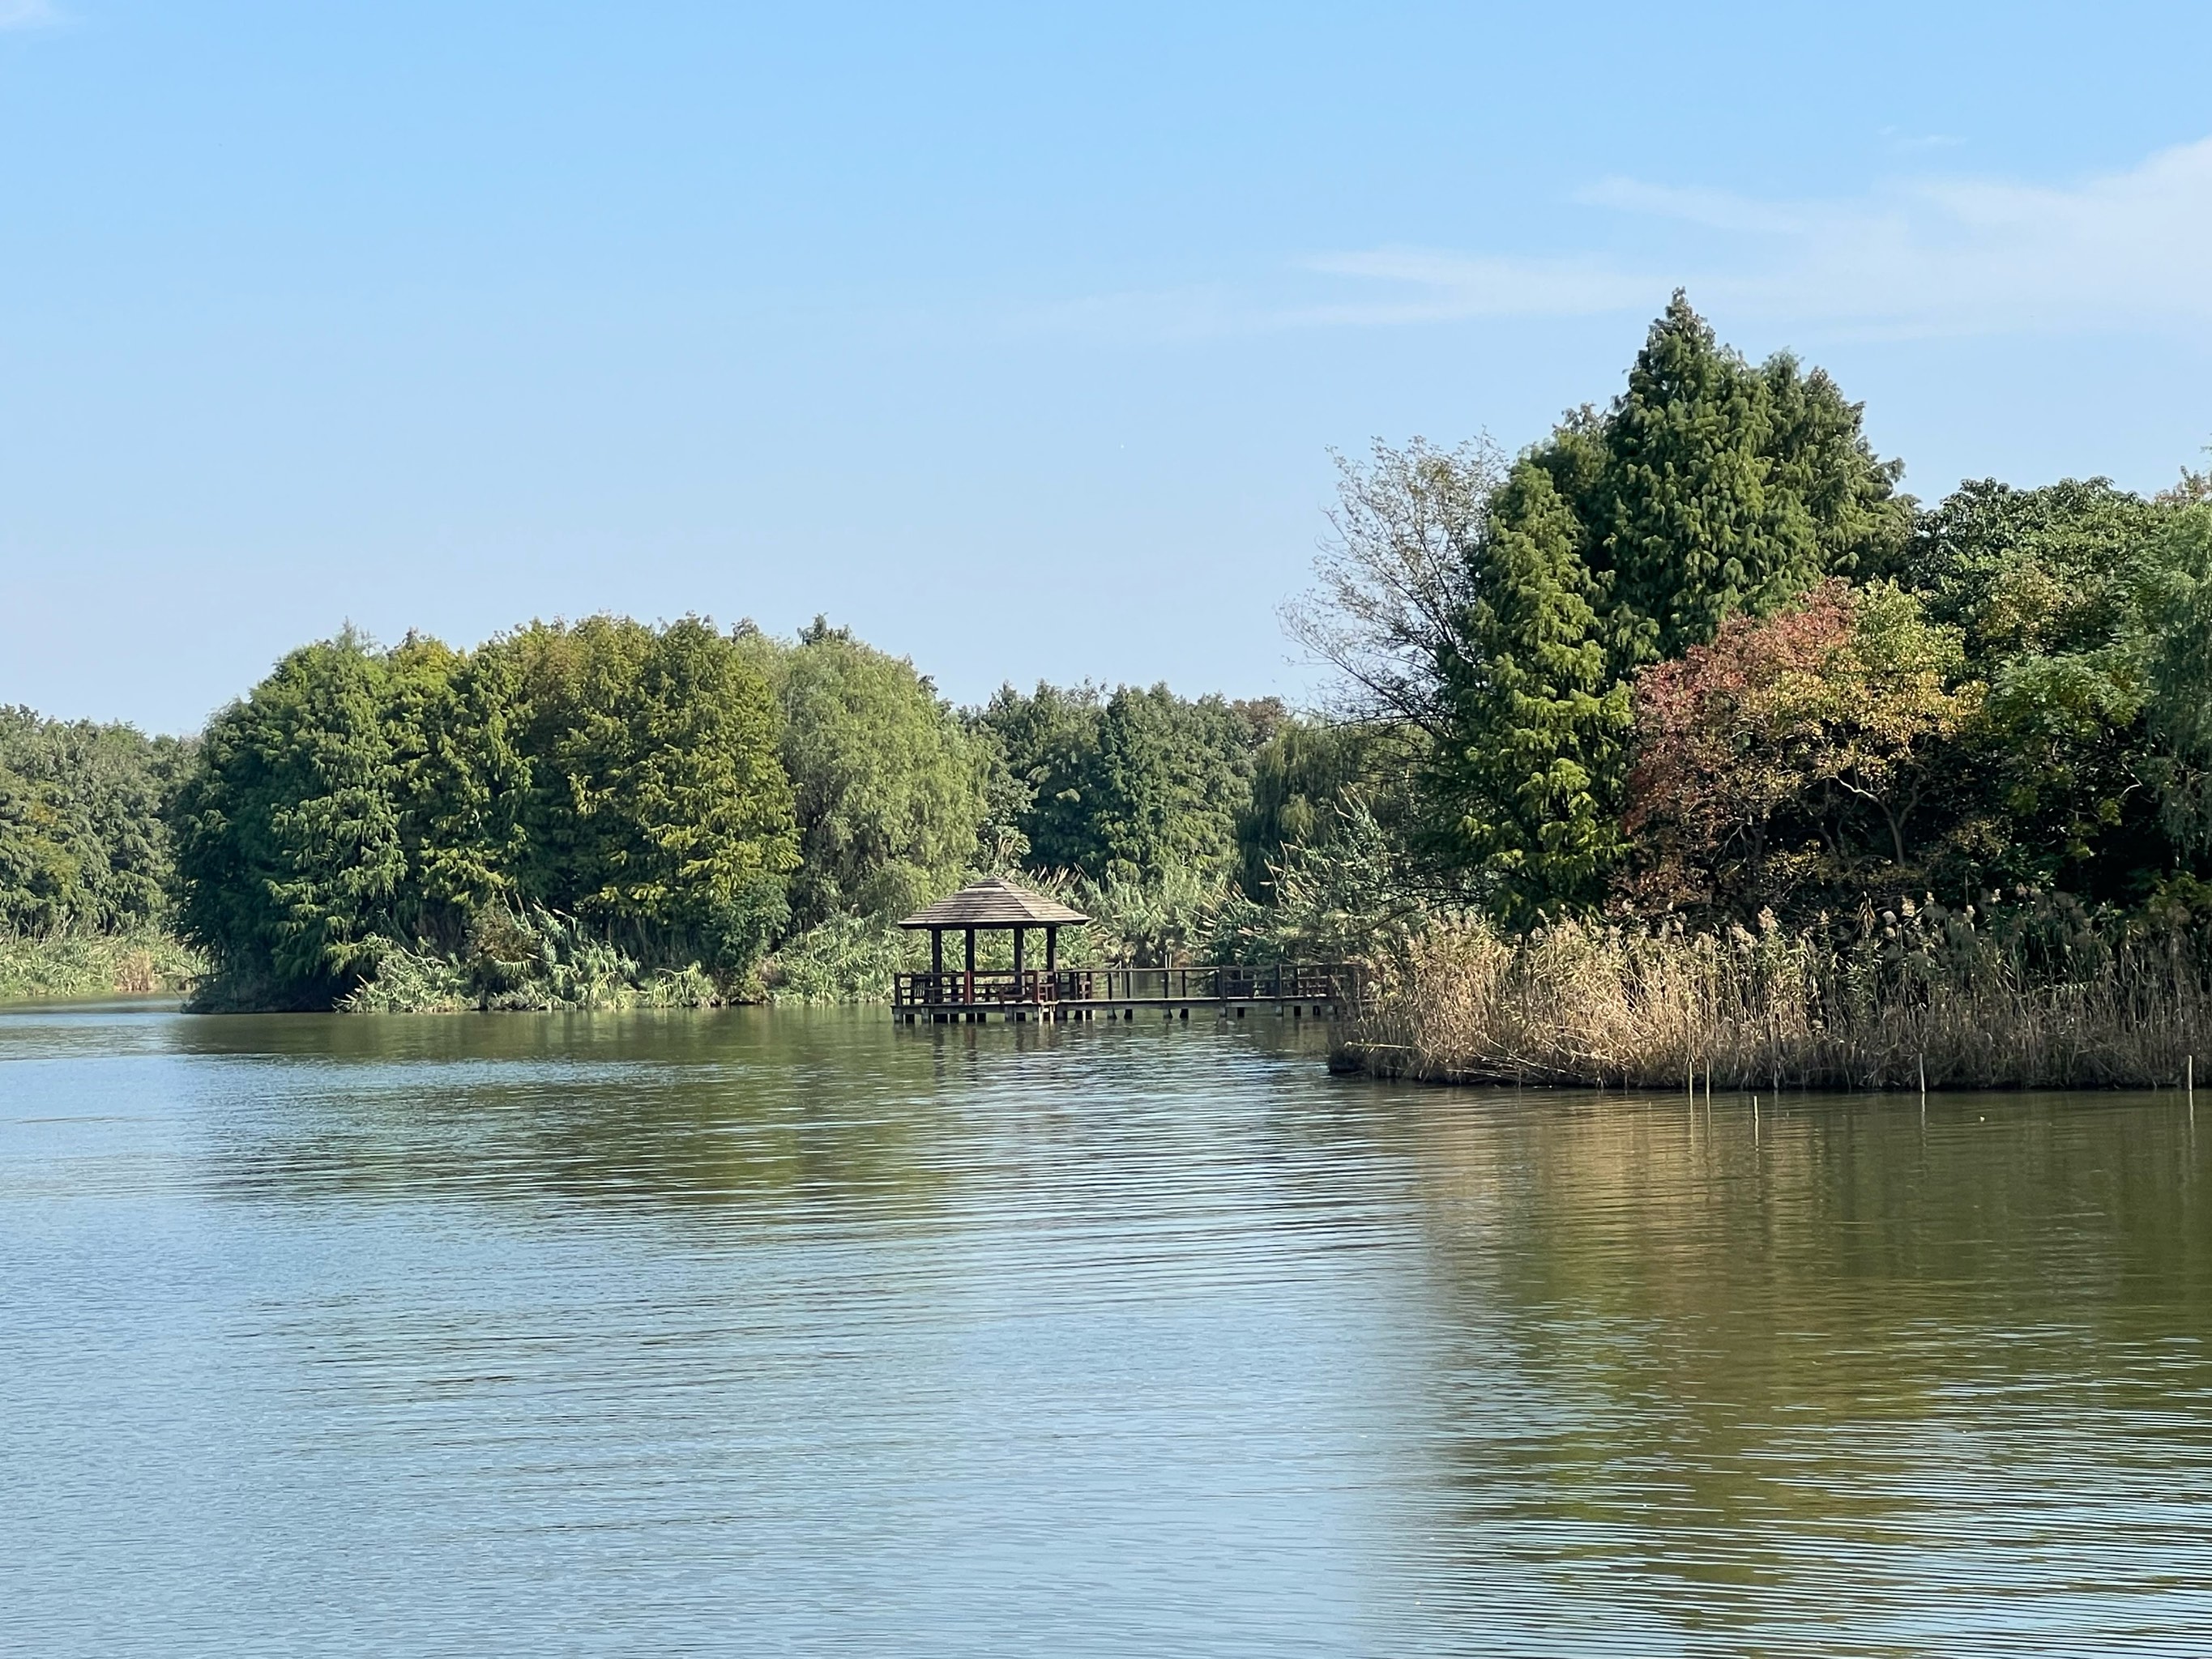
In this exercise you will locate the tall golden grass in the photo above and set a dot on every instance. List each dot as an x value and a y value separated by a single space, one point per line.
1879 1005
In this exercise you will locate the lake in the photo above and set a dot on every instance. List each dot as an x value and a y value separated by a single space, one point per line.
790 1332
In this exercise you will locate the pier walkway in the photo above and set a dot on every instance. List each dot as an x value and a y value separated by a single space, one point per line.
1300 990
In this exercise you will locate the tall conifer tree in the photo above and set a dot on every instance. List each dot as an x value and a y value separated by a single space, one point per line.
1727 488
1532 774
1687 529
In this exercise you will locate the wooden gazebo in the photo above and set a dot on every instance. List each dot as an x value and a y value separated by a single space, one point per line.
1053 993
988 906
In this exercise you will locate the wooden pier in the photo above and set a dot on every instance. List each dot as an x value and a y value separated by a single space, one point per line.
1297 990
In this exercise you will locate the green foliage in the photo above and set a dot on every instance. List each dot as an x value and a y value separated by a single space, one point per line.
1338 894
83 844
1299 775
1497 617
1529 776
2052 593
2008 690
655 806
1132 785
288 848
1153 923
2178 676
136 963
361 802
890 789
1049 744
1716 487
2032 572
529 961
846 958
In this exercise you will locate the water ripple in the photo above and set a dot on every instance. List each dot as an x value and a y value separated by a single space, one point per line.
806 1334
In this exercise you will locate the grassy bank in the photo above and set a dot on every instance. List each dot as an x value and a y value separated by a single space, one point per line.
2043 1001
138 963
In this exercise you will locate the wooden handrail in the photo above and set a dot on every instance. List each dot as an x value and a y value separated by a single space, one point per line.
1184 983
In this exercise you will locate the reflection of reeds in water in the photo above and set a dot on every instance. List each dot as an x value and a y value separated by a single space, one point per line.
1978 1008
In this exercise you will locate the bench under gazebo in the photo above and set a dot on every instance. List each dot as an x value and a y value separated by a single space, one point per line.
969 993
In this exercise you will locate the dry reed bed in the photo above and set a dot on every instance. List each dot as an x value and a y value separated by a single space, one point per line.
1575 1005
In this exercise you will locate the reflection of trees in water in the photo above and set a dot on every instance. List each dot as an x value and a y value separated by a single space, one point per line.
1816 1372
740 1108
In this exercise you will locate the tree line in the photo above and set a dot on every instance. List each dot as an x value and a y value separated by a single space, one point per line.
1692 656
1695 655
687 797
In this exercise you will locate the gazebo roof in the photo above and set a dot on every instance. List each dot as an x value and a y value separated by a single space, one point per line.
995 903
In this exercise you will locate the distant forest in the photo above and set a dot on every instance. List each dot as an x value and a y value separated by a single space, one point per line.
1692 659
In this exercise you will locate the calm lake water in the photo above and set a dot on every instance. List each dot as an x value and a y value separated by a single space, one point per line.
803 1333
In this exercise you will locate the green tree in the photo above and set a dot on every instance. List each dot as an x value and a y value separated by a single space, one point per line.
289 854
2177 603
1174 776
1500 613
83 843
1133 784
359 802
1298 776
1529 774
2032 572
1048 741
656 804
889 788
1727 489
2045 588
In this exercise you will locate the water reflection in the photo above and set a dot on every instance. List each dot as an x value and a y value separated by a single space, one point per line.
1849 1383
747 1329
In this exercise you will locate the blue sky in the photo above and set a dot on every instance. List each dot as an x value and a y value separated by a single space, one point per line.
1016 338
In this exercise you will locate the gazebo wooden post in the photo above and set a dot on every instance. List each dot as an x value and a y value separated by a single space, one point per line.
967 992
937 964
1019 933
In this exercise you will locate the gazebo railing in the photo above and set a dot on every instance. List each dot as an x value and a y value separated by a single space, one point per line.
1003 987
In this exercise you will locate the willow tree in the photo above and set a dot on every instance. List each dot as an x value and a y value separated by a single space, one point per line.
888 787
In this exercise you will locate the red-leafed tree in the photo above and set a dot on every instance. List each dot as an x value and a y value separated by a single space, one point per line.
1785 761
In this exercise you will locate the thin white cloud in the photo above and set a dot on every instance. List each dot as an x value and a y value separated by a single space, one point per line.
1445 286
1913 143
28 13
2128 251
1427 287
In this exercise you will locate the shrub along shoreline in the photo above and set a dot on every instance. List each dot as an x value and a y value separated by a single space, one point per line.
142 961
